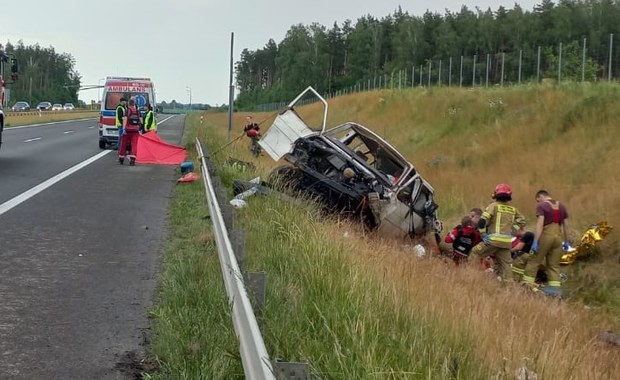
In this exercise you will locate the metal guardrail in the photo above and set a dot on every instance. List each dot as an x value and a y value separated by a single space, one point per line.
254 356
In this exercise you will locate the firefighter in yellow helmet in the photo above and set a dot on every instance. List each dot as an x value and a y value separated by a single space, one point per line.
499 221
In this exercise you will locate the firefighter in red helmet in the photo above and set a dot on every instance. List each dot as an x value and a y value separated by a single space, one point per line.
499 221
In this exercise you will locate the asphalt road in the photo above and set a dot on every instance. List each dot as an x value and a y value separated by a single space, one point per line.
79 260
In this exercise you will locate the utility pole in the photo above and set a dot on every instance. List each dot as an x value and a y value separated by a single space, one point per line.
189 91
231 88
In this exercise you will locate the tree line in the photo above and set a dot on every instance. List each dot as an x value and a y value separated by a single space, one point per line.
340 57
43 75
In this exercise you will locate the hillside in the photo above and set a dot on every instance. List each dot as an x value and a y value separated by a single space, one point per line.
359 308
465 141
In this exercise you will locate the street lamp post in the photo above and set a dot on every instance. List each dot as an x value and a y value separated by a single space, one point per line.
99 89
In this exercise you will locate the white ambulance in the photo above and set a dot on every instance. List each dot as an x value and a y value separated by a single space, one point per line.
141 89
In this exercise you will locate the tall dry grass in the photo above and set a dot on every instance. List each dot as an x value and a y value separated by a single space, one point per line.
465 142
510 328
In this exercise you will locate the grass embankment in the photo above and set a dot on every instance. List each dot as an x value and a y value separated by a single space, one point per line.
363 308
16 119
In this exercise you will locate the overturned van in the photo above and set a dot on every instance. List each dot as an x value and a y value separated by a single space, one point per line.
350 169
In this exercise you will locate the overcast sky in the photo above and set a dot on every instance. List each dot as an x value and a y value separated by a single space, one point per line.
184 45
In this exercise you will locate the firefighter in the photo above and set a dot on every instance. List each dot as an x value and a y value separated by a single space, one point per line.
521 246
150 121
121 109
550 239
132 122
499 220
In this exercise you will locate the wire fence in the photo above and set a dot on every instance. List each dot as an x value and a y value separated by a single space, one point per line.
562 63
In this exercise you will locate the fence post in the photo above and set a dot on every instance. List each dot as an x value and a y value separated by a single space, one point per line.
520 62
473 73
429 73
420 75
486 81
560 64
583 61
412 76
503 61
450 72
461 74
611 44
439 74
538 66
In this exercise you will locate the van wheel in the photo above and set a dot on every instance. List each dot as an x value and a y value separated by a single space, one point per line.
101 144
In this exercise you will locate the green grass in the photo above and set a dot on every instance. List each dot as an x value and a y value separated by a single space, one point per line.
324 309
320 307
194 336
358 309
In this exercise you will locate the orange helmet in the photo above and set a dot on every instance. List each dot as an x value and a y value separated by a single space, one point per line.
502 188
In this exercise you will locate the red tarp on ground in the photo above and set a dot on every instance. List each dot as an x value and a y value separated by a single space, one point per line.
153 150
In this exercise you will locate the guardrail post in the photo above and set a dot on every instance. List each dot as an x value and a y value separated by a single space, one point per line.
255 285
290 370
227 214
255 282
237 239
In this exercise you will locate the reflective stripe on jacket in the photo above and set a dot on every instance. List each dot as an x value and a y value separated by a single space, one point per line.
120 112
501 222
150 122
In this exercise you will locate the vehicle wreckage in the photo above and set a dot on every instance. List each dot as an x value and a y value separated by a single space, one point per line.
351 170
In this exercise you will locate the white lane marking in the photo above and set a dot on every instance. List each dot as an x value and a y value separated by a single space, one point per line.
51 123
67 132
165 120
34 139
65 121
92 126
6 206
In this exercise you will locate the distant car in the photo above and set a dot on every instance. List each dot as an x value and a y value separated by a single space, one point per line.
57 107
21 107
68 107
44 106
